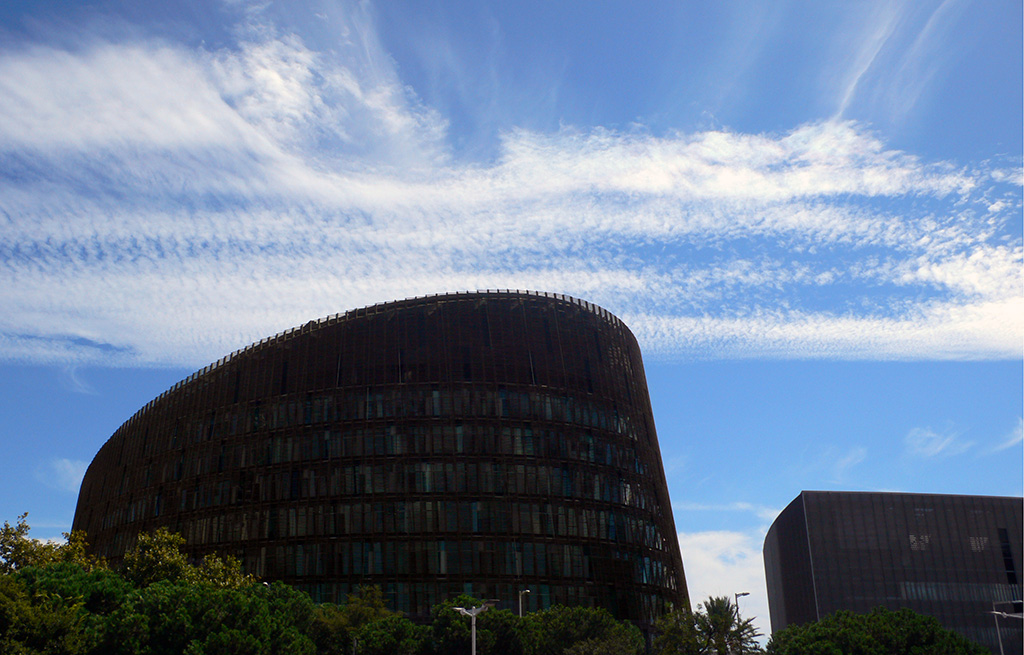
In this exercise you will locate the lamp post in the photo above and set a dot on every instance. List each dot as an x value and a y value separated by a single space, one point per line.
471 613
1012 614
524 591
737 596
995 617
736 601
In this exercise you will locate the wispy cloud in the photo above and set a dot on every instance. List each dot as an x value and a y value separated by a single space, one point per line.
927 442
168 204
853 457
920 64
1015 437
766 514
895 52
63 474
876 33
75 383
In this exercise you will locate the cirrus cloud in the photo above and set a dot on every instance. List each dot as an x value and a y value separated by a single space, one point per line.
164 204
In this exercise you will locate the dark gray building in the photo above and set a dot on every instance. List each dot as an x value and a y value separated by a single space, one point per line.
952 557
485 442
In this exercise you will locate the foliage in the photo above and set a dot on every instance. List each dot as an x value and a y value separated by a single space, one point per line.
880 632
678 634
723 631
37 623
582 631
329 630
18 550
55 599
333 627
391 635
716 628
157 556
166 618
450 631
508 634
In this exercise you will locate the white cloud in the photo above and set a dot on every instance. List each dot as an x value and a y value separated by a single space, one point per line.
723 563
63 474
75 383
876 33
926 442
854 456
165 204
1015 437
893 55
766 514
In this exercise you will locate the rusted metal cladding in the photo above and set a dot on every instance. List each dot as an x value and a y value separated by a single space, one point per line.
484 442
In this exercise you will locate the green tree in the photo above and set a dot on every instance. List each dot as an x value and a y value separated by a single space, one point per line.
19 550
450 631
170 618
158 556
90 595
678 634
367 605
37 623
880 632
507 634
334 626
582 631
722 631
330 631
498 632
391 635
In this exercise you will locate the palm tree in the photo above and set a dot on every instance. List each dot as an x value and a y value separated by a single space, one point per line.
722 630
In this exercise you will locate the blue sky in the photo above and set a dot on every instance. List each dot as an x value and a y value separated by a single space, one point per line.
810 214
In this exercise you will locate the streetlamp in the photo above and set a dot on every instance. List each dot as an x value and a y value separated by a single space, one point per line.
1006 615
471 613
736 600
737 597
524 591
995 617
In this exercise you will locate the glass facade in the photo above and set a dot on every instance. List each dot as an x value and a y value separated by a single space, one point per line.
482 442
952 557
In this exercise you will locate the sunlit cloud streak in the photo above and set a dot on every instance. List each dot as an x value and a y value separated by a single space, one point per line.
163 204
63 474
927 442
1015 437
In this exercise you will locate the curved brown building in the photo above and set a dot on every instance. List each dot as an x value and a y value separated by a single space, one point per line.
482 442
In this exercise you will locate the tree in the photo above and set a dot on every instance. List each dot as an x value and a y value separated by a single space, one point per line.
391 635
714 629
334 626
170 618
158 556
582 631
506 632
19 550
880 632
722 631
677 633
37 622
366 605
450 631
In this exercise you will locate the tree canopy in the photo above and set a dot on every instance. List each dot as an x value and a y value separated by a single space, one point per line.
56 599
715 628
880 632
